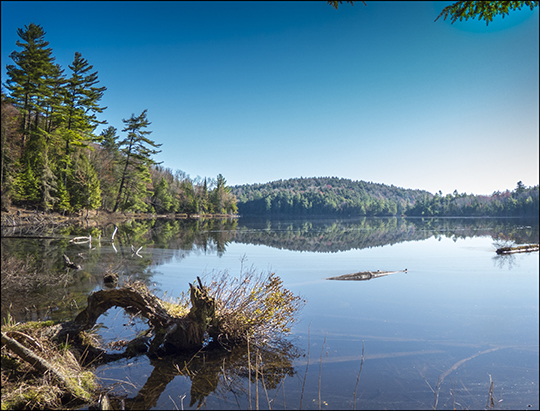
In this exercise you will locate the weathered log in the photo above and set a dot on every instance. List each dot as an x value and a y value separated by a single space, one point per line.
42 365
365 275
519 249
171 334
135 297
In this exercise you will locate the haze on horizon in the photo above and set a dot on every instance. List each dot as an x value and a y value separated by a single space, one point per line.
262 91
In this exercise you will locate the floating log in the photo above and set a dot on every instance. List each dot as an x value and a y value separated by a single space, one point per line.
81 240
365 275
520 249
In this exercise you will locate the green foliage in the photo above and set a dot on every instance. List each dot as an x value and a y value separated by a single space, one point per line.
137 150
62 205
27 78
48 185
50 158
522 201
221 199
484 10
330 196
81 102
26 185
83 184
162 198
323 196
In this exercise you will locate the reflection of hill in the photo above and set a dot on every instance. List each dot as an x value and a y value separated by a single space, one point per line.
342 235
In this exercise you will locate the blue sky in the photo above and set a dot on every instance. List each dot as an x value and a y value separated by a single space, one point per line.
265 91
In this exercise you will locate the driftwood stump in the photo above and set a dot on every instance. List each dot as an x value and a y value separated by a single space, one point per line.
170 334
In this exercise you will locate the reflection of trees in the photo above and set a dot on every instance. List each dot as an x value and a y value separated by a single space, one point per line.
341 235
217 371
49 243
182 237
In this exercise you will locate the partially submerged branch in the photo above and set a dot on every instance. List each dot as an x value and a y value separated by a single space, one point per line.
519 249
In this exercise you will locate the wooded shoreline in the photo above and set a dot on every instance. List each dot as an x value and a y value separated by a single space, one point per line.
20 216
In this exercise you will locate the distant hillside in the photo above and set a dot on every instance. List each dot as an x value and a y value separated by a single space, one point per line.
332 196
325 196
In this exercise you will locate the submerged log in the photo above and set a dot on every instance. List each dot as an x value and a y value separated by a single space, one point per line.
520 249
365 275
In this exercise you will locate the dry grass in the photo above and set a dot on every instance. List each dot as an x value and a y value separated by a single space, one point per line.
254 306
25 388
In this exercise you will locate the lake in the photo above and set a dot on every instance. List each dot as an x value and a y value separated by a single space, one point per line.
434 336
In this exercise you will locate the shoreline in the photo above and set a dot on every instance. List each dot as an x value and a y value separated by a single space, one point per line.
18 216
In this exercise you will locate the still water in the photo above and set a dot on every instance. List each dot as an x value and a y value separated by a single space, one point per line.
435 336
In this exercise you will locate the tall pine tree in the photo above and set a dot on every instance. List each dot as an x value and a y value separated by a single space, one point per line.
137 149
27 77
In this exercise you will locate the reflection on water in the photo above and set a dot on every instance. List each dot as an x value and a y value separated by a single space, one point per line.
166 241
215 372
462 312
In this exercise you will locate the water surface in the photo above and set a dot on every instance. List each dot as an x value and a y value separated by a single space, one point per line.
460 315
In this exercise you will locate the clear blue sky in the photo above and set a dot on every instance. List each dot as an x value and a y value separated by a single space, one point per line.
273 90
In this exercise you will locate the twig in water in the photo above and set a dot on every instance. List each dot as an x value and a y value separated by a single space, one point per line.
264 385
175 406
223 371
320 369
307 366
491 396
358 378
435 392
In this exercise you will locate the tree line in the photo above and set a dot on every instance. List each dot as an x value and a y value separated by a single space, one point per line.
53 160
343 197
522 201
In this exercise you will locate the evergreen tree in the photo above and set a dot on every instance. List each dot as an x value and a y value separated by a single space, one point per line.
81 100
106 162
26 185
27 77
62 205
54 115
137 150
162 199
83 184
48 185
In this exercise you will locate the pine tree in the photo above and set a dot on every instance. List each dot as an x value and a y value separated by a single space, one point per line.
54 112
81 101
27 77
62 205
83 184
27 185
137 151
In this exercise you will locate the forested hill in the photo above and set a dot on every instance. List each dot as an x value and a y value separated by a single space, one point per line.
343 197
324 196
